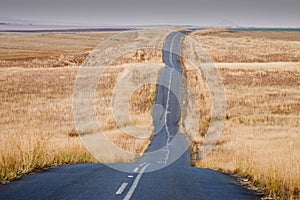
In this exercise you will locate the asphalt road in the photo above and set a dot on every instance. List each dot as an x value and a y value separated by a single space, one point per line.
164 172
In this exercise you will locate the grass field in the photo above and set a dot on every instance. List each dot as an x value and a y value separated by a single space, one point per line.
37 76
260 72
263 46
47 50
261 138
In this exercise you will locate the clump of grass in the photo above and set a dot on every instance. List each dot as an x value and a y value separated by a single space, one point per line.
25 153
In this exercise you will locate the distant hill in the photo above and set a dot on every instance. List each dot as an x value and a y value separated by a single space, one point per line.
227 23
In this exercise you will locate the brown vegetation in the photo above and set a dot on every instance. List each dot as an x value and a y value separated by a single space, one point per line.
47 50
36 88
261 138
235 47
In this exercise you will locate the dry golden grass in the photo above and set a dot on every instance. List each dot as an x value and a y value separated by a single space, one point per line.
23 153
228 46
47 50
261 138
36 112
124 133
196 121
36 88
36 117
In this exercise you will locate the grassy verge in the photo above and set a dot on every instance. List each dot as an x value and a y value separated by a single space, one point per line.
261 139
26 153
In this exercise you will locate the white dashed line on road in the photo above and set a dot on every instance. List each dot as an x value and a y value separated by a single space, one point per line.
135 183
121 189
136 169
144 163
171 52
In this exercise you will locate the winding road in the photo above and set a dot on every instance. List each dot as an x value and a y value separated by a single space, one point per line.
164 172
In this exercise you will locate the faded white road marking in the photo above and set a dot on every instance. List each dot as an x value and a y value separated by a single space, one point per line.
168 103
122 188
135 183
144 163
166 116
167 156
171 51
136 169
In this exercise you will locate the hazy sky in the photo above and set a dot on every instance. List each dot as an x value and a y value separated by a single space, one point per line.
136 12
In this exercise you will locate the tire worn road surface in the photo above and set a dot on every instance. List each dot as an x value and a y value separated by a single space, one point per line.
164 172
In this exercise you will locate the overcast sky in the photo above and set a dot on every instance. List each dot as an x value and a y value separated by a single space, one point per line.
140 12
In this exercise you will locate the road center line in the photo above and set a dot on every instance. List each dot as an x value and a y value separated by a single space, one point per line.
136 169
167 157
135 183
171 51
168 103
122 188
144 163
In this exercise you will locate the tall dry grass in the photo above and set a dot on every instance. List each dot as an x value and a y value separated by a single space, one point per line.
37 121
37 77
261 138
36 118
23 153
